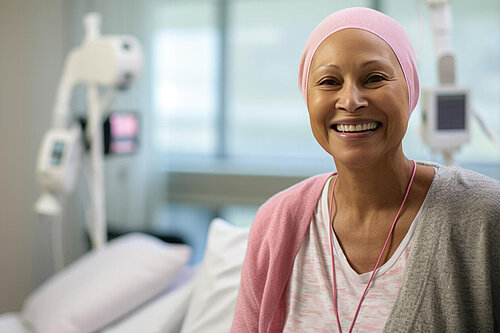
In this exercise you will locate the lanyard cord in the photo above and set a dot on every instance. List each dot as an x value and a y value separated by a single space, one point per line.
379 258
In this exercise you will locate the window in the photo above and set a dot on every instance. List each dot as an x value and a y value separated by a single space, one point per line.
184 88
263 115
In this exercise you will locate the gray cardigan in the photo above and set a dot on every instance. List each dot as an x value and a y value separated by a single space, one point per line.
452 279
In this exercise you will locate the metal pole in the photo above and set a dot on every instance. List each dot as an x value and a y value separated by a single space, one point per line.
221 117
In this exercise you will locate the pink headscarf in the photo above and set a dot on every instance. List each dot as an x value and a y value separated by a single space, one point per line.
378 24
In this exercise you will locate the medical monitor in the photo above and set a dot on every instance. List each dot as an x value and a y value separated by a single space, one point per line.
446 117
121 133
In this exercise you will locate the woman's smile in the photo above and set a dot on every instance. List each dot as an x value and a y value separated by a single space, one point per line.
355 128
358 131
370 126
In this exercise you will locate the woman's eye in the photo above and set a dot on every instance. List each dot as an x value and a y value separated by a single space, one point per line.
375 79
328 82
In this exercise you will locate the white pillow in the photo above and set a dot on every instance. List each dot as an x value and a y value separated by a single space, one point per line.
213 301
164 313
103 285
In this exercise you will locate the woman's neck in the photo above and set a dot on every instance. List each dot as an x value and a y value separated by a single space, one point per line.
377 187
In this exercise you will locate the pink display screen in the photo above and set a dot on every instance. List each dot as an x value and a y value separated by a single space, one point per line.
124 131
124 126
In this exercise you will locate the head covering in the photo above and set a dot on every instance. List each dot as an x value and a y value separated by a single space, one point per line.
378 24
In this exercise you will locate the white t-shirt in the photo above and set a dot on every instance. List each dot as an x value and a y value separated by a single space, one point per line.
310 296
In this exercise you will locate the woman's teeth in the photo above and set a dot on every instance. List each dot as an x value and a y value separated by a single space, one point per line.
357 128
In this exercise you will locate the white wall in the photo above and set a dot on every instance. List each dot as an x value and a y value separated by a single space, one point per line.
32 49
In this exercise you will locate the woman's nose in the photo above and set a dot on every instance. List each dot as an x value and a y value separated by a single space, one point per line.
350 98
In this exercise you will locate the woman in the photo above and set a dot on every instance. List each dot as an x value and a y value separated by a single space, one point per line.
385 243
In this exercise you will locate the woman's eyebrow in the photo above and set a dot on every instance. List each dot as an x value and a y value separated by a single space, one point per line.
382 62
326 67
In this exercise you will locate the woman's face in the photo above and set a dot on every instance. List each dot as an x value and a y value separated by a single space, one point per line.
357 98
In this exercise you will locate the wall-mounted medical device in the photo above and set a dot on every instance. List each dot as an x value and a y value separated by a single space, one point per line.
57 165
446 115
446 108
105 64
59 159
120 133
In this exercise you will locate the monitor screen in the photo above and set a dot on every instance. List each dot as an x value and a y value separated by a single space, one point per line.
451 112
57 153
121 133
124 126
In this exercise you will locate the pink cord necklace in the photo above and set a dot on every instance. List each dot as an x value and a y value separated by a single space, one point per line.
379 258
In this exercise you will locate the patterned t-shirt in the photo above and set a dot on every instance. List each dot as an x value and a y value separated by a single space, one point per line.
310 296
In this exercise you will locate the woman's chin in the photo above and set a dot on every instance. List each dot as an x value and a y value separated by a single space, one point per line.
364 156
355 160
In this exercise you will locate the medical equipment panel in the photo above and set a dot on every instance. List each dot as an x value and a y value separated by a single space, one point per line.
59 158
446 117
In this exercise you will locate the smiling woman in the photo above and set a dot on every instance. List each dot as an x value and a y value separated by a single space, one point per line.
384 244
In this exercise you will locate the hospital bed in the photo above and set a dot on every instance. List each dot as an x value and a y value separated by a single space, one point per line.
137 283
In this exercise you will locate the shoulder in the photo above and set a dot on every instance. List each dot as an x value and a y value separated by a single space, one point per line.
290 208
300 196
463 188
281 221
463 202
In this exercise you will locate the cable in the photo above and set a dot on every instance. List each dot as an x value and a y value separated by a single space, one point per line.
84 194
57 243
448 158
487 130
